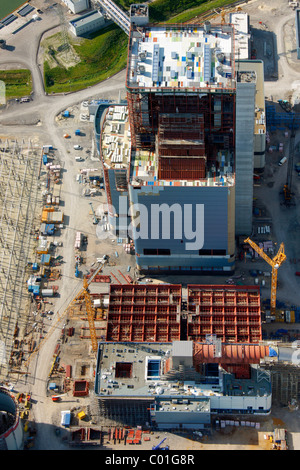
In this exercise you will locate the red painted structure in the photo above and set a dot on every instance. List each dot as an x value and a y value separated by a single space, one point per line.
144 313
232 313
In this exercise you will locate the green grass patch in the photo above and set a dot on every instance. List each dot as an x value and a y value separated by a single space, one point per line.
102 55
18 83
105 52
172 11
204 7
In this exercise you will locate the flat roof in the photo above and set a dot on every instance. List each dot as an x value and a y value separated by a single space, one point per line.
176 56
140 370
85 19
240 20
253 71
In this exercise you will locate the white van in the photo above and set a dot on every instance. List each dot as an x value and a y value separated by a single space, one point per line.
77 147
282 161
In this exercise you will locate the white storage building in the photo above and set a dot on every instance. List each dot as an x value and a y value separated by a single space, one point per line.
77 6
88 23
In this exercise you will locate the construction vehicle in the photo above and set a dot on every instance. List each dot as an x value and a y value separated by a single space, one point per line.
28 401
157 447
275 263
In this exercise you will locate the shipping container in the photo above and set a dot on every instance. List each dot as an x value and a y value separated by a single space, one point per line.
65 418
47 292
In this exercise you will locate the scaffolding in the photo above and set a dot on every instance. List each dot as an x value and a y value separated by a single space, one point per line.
19 184
285 380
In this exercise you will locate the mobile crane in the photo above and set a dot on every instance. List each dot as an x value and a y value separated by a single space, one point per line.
275 263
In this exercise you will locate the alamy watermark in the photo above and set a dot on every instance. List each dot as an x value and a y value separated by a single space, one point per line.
157 222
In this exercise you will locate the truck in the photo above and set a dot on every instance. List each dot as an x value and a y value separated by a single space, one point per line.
282 161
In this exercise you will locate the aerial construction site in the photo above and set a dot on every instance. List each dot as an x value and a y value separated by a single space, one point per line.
149 283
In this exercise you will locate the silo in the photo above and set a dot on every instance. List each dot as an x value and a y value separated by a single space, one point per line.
11 430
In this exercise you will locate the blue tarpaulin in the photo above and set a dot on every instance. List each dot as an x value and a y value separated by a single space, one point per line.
272 352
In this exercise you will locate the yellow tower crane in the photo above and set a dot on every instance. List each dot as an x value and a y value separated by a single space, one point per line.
275 263
90 314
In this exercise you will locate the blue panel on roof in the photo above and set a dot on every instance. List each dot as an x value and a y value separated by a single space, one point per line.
272 352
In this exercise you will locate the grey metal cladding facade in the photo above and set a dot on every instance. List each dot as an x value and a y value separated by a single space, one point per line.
215 201
245 108
115 197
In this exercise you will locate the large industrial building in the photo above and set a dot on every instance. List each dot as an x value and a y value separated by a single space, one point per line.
185 164
179 366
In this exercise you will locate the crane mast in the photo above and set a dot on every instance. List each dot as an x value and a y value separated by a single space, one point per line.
275 263
90 315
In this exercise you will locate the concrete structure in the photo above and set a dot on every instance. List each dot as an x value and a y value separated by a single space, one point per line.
138 383
240 21
188 170
252 71
182 90
77 6
11 428
174 367
88 23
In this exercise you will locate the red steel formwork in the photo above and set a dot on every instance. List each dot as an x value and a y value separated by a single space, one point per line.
181 148
144 313
181 169
232 313
235 358
145 107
